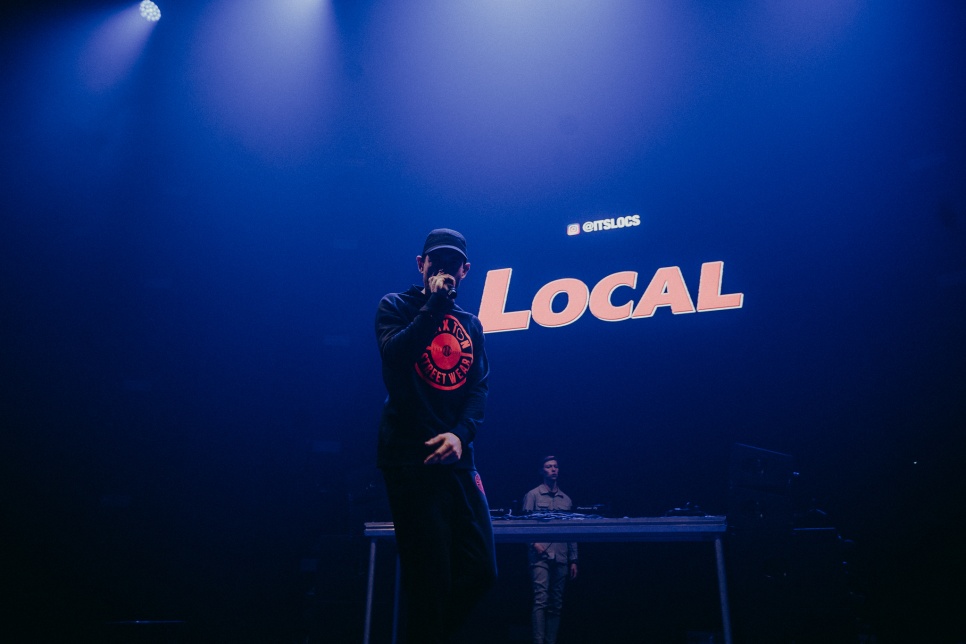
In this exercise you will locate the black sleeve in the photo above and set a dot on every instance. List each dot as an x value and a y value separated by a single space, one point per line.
402 339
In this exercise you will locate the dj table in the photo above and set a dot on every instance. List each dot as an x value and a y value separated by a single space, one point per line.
701 528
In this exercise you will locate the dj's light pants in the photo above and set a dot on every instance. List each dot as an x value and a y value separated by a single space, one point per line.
549 579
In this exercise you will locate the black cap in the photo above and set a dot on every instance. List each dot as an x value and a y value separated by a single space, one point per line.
445 238
549 457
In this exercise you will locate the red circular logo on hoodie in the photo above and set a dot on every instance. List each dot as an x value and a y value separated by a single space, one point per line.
448 358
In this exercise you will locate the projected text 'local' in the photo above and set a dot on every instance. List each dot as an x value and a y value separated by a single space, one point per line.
666 288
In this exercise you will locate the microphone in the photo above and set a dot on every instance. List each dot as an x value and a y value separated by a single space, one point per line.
447 285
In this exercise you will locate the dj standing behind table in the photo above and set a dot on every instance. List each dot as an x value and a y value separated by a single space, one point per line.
435 370
550 563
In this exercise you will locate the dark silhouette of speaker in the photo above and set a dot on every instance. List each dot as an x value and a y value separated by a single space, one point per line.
760 489
787 573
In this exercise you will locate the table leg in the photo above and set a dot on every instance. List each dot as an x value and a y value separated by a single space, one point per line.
395 604
723 591
372 577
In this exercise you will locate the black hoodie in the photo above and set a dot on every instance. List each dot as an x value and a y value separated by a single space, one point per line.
435 370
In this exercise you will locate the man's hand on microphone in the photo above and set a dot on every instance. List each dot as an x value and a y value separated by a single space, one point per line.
441 282
448 450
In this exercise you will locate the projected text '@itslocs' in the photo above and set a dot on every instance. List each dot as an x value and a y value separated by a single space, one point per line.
666 288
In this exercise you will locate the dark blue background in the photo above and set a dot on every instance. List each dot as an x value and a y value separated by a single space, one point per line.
194 245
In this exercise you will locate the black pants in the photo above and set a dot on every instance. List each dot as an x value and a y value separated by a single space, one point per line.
445 544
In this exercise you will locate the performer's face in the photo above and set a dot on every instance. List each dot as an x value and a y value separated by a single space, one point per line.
550 470
445 261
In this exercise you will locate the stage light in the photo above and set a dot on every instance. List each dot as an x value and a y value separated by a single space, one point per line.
150 11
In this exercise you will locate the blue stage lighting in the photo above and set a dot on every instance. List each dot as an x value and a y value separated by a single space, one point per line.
150 11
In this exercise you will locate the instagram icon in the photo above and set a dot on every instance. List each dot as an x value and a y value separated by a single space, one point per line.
573 229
